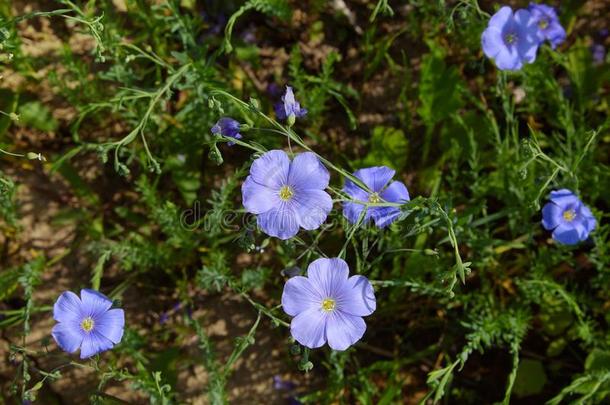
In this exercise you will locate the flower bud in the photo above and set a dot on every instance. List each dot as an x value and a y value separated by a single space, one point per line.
291 120
35 156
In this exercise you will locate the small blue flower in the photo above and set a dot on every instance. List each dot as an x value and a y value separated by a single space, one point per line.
165 315
227 127
599 53
377 179
328 305
511 39
287 195
289 108
549 27
283 385
87 323
570 220
163 318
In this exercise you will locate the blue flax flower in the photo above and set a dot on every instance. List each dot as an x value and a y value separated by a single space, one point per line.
87 323
377 179
327 305
287 195
570 220
548 25
289 108
283 385
599 53
511 39
227 127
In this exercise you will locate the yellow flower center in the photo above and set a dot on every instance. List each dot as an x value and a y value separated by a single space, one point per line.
374 198
286 193
87 324
569 215
510 38
328 304
543 24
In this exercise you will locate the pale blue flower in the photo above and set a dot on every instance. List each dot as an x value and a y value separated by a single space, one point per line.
511 39
328 305
382 189
548 25
570 220
289 108
87 323
227 127
287 195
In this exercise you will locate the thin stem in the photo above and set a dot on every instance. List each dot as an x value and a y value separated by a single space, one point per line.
264 310
12 154
143 122
20 18
152 56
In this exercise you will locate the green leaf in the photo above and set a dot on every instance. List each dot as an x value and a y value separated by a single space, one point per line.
388 147
439 90
36 115
8 282
254 278
186 177
598 360
555 320
582 73
98 270
531 378
391 394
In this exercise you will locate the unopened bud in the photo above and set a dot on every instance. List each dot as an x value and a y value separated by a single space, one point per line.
35 156
215 155
291 120
430 252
